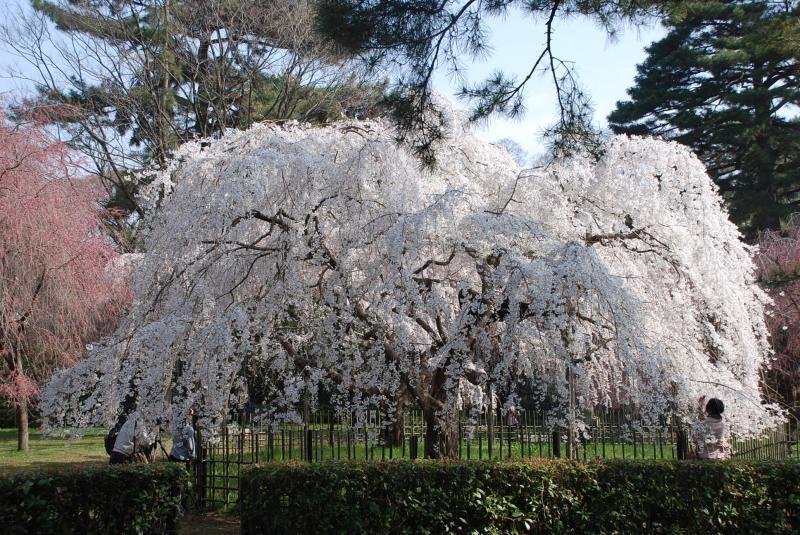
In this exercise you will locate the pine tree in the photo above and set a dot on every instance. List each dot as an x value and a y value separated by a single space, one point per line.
724 81
410 39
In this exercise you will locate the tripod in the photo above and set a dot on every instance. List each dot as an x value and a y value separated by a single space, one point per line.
161 446
148 454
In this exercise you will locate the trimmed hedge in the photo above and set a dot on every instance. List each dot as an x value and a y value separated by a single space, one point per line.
115 499
537 497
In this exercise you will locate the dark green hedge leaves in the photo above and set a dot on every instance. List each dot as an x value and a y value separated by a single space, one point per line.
116 499
523 497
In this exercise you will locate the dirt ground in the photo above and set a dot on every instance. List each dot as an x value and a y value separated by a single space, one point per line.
209 524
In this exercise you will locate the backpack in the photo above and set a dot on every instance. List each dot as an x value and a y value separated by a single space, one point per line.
111 437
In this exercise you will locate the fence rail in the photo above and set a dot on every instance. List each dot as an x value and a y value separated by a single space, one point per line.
328 436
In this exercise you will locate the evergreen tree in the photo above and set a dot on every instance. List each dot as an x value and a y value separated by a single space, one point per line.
724 81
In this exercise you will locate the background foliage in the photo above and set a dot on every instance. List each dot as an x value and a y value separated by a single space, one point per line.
127 82
778 262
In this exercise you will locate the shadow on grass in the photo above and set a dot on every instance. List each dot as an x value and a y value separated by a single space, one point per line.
47 466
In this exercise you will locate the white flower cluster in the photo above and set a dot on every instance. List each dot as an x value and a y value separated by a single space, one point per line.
287 263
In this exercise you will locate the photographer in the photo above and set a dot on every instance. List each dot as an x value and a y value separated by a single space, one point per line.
134 442
710 432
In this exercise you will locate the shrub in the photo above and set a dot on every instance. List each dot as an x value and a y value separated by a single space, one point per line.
114 499
538 497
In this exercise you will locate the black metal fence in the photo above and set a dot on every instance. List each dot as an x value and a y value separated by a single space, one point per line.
328 436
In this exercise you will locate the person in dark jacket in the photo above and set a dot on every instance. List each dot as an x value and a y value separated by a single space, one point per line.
183 440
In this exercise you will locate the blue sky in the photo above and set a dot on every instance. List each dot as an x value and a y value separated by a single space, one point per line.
606 69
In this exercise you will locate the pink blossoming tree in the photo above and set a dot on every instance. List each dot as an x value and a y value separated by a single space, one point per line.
778 260
61 281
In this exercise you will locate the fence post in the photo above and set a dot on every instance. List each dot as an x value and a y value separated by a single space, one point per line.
309 446
199 467
490 422
571 449
306 420
330 429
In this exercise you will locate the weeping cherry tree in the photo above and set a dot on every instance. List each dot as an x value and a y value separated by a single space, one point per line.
287 263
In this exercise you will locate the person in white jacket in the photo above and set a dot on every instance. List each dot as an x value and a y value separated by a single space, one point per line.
710 432
133 438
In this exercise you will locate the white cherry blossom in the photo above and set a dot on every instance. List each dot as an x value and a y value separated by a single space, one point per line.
287 262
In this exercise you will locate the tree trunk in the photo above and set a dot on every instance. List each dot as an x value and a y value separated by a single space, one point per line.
202 99
21 405
22 426
393 435
441 437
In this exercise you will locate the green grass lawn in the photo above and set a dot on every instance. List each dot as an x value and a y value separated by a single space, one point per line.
56 453
51 453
